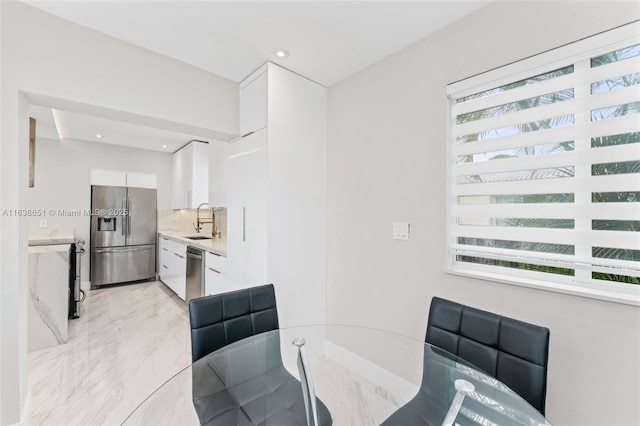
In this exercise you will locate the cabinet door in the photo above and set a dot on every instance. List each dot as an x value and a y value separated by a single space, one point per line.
123 178
255 212
253 102
215 282
170 275
218 174
182 171
108 177
179 281
164 260
216 262
173 266
247 211
236 170
199 174
190 176
142 180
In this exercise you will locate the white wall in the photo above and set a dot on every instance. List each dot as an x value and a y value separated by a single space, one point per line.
63 180
44 59
386 162
2 357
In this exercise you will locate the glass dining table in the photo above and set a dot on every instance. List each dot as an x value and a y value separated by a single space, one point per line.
359 376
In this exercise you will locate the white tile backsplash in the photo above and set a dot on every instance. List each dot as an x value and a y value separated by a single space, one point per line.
184 220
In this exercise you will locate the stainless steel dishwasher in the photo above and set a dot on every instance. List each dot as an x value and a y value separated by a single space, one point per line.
195 274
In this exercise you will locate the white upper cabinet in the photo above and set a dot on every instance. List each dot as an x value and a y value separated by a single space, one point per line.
191 176
253 101
217 174
123 178
108 177
142 180
181 183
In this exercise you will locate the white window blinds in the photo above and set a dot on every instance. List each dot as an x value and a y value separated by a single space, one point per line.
545 166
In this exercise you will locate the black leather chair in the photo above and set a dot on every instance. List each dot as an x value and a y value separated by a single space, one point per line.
247 384
219 320
512 351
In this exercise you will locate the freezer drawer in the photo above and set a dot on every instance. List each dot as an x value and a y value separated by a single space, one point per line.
122 264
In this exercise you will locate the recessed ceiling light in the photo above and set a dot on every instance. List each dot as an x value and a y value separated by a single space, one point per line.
98 135
164 146
281 53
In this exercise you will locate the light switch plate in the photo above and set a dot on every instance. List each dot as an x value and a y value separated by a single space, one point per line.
400 231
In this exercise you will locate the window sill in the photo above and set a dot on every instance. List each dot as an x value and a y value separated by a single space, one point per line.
631 298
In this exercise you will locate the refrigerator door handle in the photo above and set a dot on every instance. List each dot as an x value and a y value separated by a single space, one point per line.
124 206
128 214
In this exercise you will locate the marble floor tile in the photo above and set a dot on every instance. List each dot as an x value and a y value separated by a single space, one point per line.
127 342
351 398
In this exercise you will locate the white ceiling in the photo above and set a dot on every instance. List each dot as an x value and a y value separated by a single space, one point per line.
72 125
327 40
58 124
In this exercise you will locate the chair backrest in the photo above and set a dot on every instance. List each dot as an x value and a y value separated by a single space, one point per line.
221 319
512 351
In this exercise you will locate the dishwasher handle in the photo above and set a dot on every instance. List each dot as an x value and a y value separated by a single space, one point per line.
194 253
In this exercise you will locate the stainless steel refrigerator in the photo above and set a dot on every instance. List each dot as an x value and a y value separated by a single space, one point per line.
123 234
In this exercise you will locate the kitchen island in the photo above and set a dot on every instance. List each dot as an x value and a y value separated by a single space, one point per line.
48 277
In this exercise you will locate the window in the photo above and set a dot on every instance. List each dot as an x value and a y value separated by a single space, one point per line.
544 182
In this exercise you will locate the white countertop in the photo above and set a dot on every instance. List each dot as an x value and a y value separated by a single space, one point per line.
47 237
48 248
214 245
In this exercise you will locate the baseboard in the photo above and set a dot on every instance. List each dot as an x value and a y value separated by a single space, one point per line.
25 416
372 372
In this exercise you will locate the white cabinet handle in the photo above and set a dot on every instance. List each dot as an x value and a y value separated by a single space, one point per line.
164 249
164 266
181 257
217 272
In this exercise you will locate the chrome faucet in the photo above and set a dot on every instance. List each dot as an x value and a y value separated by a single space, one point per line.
211 220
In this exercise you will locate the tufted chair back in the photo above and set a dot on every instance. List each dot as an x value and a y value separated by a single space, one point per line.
221 319
512 351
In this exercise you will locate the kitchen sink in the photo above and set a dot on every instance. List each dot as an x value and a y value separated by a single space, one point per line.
199 237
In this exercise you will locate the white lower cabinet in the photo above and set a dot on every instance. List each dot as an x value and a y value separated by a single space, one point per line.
173 269
215 274
173 265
